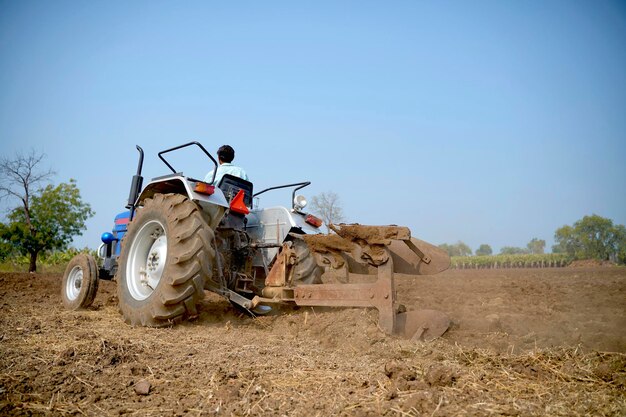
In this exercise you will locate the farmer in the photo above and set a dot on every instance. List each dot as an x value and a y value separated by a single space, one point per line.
225 155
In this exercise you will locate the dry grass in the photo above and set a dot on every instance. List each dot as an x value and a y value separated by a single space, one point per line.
307 362
89 363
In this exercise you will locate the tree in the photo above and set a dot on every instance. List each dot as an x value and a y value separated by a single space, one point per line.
457 249
565 241
484 250
513 250
620 244
592 237
328 207
536 246
5 248
46 219
20 175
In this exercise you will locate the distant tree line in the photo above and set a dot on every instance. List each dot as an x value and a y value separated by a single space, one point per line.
592 237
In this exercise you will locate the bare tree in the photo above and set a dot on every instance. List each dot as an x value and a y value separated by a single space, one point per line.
20 175
328 207
18 178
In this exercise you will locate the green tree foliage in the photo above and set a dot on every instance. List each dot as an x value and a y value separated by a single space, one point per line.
592 237
565 241
512 250
620 243
54 216
328 207
484 250
536 246
457 249
6 250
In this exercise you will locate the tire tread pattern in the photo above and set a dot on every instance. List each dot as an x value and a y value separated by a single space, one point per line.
306 269
190 253
89 286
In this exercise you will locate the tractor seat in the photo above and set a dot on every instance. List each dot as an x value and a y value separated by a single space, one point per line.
230 186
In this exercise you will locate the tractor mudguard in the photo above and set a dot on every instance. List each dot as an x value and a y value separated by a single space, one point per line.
214 204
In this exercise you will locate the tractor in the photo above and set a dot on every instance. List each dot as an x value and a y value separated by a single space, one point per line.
181 236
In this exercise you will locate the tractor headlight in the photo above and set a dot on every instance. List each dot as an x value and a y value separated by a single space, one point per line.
299 202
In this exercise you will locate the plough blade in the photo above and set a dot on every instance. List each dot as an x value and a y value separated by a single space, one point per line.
422 325
411 256
406 261
360 262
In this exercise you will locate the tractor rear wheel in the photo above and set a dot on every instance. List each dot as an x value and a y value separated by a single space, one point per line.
166 256
80 282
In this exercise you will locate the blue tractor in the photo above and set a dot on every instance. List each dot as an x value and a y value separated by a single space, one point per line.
182 236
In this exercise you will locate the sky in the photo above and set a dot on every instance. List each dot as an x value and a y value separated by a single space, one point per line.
484 122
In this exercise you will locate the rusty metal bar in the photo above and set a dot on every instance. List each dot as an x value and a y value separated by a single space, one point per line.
380 295
415 249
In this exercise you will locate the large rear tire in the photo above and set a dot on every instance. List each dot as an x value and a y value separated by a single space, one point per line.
80 282
166 256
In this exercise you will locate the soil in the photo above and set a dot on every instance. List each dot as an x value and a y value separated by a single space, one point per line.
371 234
524 342
589 263
327 243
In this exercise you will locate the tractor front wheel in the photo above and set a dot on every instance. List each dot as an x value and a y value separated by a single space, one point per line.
80 282
167 254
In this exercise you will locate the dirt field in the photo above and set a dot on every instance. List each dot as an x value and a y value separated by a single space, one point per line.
524 342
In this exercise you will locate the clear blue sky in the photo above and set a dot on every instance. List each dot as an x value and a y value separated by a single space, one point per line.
487 122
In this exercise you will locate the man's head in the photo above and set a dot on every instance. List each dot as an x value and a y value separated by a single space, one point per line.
226 153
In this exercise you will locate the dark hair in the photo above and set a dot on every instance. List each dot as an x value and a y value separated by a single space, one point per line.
226 153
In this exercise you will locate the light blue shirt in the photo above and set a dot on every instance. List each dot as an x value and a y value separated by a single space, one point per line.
226 168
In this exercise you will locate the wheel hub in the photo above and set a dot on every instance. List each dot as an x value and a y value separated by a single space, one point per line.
147 258
74 283
155 263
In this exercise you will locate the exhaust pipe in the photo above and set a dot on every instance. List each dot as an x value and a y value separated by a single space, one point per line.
135 185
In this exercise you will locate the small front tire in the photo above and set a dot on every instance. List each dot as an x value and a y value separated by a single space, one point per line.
80 282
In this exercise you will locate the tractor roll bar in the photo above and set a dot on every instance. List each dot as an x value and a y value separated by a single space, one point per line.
184 146
293 195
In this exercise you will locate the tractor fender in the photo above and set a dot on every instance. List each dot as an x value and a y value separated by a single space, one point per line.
214 205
